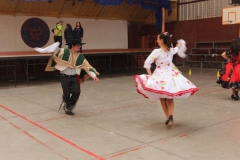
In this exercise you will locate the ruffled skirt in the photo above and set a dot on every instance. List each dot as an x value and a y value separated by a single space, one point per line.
168 85
230 75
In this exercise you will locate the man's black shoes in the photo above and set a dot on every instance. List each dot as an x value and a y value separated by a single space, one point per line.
69 113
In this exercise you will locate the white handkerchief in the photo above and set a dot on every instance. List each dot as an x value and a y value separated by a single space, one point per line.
182 50
48 49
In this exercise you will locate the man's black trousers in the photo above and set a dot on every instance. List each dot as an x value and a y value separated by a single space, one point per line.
71 90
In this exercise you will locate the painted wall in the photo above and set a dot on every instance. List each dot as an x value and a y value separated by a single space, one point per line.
98 34
110 34
134 35
201 30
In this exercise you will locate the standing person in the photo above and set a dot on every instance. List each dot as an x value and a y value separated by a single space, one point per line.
74 69
230 74
68 34
78 33
53 30
58 33
166 82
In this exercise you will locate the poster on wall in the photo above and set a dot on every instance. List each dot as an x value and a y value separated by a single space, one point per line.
35 32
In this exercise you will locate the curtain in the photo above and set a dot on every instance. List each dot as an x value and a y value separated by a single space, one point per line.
157 7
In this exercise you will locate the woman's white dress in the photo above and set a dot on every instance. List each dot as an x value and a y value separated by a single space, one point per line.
166 80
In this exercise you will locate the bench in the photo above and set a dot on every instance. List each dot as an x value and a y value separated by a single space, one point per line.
207 52
213 44
202 62
204 58
210 50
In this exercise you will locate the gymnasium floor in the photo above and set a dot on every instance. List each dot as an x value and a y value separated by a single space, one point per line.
113 122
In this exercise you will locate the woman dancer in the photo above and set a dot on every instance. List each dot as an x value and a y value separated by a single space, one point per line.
78 33
230 74
165 83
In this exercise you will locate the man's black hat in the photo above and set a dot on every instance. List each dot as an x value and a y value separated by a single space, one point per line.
74 41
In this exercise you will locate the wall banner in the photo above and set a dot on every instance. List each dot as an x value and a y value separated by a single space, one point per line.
35 32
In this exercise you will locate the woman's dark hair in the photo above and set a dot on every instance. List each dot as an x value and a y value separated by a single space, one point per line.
79 24
165 36
69 26
235 46
174 44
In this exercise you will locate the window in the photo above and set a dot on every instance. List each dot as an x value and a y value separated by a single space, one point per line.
200 10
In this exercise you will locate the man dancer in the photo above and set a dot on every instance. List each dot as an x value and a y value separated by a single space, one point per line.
74 69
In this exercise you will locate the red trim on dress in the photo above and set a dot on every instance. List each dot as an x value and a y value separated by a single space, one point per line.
193 90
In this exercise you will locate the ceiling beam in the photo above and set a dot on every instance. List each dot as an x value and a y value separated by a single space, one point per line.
101 12
16 10
62 9
148 16
135 13
145 2
193 1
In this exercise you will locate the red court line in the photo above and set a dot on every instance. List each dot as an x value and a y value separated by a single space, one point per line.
34 138
54 134
89 113
46 120
213 91
105 110
122 153
112 109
